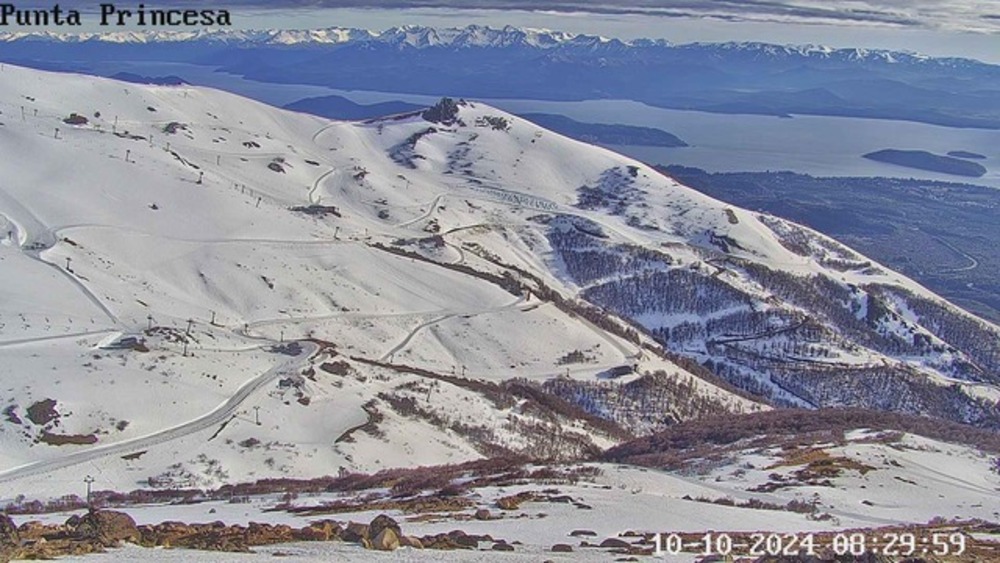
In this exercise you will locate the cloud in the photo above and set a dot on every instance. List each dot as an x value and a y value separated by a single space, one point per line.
926 14
965 15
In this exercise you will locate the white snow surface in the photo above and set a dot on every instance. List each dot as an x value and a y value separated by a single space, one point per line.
171 207
912 480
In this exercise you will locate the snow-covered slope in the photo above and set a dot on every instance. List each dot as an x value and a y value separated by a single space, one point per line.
181 217
312 297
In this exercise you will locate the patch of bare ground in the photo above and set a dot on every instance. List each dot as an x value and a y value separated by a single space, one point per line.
67 439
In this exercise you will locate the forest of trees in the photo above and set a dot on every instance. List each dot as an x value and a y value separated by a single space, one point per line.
796 340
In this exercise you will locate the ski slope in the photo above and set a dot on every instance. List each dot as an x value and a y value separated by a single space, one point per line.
215 228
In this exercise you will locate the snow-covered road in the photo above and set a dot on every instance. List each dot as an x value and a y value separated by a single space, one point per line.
212 418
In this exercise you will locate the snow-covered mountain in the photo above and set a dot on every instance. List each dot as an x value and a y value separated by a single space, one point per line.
541 64
473 36
422 37
201 289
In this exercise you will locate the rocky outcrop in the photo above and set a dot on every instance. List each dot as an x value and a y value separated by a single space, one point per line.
9 538
444 112
91 533
513 502
97 530
267 534
107 528
322 530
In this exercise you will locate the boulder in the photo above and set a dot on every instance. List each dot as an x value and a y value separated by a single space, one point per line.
502 546
562 548
440 541
382 522
107 528
615 543
508 503
464 540
411 541
483 514
513 502
9 538
386 540
355 532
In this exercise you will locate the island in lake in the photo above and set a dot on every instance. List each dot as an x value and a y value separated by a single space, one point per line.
924 160
967 155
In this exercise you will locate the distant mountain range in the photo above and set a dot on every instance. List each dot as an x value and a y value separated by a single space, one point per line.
484 62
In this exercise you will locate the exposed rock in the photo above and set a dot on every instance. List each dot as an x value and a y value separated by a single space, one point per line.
9 538
266 534
355 532
441 542
43 412
382 522
583 533
8 530
562 548
322 530
615 542
163 534
483 514
386 540
513 502
108 528
444 112
502 546
410 541
33 530
76 119
467 541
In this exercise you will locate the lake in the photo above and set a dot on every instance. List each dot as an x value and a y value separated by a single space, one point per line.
821 146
